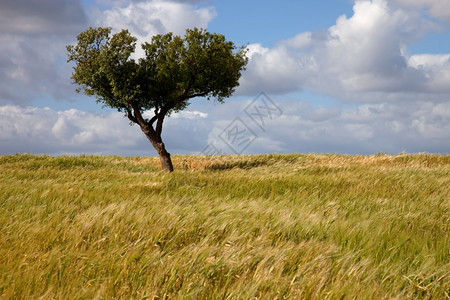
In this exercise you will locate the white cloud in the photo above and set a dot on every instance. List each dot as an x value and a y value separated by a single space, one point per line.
277 70
436 69
256 50
363 58
429 61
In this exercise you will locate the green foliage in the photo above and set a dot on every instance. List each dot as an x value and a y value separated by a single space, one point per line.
174 69
104 68
239 227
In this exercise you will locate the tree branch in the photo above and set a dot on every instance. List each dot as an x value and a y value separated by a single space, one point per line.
155 117
137 114
160 117
184 96
131 117
198 95
152 120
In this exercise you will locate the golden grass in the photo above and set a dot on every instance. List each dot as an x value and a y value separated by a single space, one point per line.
260 226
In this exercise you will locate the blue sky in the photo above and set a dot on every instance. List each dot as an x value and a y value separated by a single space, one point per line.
356 77
266 22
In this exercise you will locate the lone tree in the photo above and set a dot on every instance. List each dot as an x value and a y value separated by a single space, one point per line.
173 71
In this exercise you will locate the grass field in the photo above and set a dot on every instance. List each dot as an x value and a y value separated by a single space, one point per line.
225 227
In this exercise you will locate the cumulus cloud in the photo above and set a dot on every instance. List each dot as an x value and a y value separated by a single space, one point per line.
362 58
435 68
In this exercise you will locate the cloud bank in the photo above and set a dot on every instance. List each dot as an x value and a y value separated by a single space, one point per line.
302 127
362 59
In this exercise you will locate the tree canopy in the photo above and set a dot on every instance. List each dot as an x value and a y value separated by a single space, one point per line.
173 70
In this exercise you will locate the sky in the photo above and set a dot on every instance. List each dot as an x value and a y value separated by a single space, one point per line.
324 76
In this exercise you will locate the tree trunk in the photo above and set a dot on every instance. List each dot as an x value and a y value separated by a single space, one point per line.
154 136
164 157
156 141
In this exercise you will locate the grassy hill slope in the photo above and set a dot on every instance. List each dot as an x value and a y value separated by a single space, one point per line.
263 226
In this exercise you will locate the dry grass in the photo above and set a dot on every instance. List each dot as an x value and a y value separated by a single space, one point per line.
262 226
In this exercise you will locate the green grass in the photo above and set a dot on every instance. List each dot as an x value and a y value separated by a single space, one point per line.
237 227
